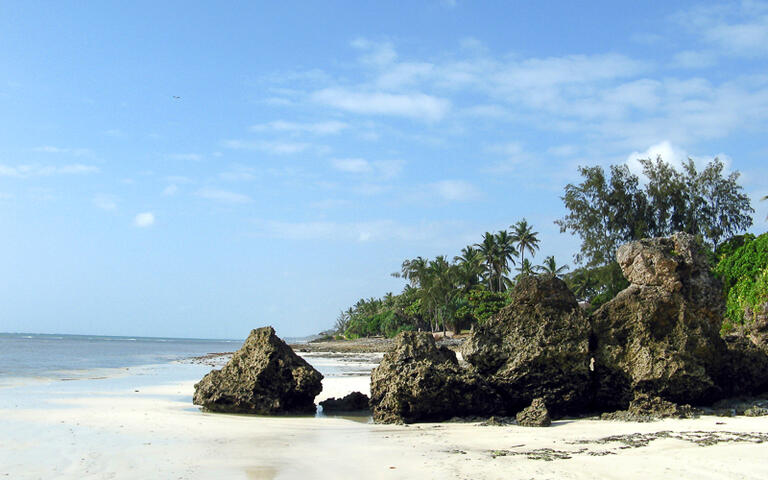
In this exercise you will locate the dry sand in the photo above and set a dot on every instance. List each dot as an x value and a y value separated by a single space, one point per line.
157 433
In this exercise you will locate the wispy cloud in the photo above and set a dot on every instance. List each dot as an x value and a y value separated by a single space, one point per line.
275 148
318 128
77 152
382 169
223 196
27 171
411 105
455 190
194 157
105 201
736 28
170 190
144 220
373 231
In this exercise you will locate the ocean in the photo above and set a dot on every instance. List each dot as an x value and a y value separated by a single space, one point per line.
72 357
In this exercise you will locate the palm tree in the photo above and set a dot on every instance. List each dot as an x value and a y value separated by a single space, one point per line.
506 253
412 270
525 268
549 267
498 251
438 290
525 238
469 267
488 250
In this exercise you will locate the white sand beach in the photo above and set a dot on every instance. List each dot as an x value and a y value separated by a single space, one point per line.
135 430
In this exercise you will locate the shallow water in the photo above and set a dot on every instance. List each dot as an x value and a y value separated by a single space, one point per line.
41 357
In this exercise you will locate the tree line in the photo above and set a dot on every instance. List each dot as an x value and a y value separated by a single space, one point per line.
605 210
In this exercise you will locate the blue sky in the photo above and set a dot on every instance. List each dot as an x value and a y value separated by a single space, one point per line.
315 145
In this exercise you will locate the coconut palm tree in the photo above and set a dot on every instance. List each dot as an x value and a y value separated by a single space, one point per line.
506 256
525 238
469 267
550 267
412 270
488 249
525 268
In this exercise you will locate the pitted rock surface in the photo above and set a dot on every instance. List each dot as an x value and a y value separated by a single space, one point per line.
264 377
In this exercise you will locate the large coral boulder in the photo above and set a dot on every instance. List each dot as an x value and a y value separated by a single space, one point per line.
264 377
536 347
417 381
660 336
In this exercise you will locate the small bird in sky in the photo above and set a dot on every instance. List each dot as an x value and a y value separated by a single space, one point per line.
175 97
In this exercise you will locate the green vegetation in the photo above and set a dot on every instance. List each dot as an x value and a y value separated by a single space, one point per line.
606 211
743 269
443 294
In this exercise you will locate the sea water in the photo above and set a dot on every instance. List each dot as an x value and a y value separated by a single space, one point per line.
71 357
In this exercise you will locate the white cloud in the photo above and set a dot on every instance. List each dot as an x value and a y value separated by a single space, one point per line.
668 152
77 152
674 155
105 201
737 29
563 150
373 231
27 171
223 196
377 54
239 174
144 220
411 105
194 157
455 190
275 148
383 169
351 165
694 59
317 128
170 190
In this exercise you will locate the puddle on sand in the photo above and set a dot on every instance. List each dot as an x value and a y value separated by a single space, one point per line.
261 473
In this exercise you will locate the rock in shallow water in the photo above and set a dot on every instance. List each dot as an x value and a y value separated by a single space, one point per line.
353 402
264 377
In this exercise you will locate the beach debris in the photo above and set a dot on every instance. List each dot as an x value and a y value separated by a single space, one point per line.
353 402
264 377
417 381
536 415
535 347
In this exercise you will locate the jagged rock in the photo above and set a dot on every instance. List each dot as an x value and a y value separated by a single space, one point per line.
417 381
535 415
645 408
264 377
660 336
536 347
352 402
